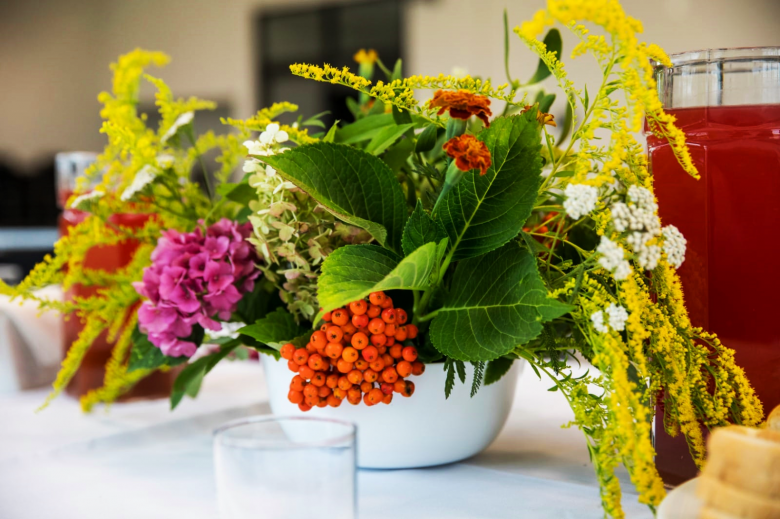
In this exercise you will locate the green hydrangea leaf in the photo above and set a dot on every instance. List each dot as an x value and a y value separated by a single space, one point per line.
145 355
496 369
354 271
420 229
274 330
355 186
498 301
482 213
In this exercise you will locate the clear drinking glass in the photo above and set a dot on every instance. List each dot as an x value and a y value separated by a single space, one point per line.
270 467
727 101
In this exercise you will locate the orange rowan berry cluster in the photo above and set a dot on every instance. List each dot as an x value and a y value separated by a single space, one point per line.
360 353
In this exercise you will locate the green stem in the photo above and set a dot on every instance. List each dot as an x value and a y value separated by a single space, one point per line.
209 187
429 316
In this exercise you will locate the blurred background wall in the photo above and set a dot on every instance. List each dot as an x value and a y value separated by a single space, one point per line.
54 57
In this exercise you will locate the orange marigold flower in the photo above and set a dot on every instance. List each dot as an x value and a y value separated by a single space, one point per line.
469 153
542 117
462 104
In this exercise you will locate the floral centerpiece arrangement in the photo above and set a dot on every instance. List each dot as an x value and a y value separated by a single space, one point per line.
434 233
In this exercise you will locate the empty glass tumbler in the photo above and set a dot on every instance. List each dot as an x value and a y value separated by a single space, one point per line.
271 467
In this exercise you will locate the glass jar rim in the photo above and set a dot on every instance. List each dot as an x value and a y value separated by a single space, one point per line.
338 439
694 57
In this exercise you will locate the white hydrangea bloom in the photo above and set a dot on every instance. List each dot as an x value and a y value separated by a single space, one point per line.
598 322
613 258
143 178
183 120
580 200
675 245
647 255
92 195
617 317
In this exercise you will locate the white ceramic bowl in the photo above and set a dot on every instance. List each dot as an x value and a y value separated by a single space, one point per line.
423 430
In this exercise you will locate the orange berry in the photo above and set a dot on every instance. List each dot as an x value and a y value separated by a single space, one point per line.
344 383
410 353
318 379
311 348
400 334
353 396
388 303
386 388
334 334
350 354
366 401
358 307
404 368
370 375
375 396
390 341
296 397
378 365
387 399
396 351
387 359
359 340
389 330
360 321
374 311
340 317
332 380
376 326
287 351
389 374
334 401
408 389
316 362
293 366
379 339
377 298
301 356
418 368
339 393
334 350
370 354
327 316
310 391
311 400
411 331
355 376
322 403
297 383
382 350
324 392
388 315
306 372
344 367
304 407
366 387
347 338
401 316
399 385
349 328
319 339
361 365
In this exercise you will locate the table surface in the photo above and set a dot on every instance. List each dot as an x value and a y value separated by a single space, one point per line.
141 460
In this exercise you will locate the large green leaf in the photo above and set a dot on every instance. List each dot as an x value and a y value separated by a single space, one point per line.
364 129
189 380
420 229
145 355
354 271
386 137
483 213
274 329
354 185
498 301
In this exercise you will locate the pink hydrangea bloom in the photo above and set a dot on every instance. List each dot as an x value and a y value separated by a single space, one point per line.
195 279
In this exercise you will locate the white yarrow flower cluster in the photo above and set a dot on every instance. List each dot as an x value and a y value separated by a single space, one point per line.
613 258
616 318
580 200
675 245
640 217
183 120
143 178
86 197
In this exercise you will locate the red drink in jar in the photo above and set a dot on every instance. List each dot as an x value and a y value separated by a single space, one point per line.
728 104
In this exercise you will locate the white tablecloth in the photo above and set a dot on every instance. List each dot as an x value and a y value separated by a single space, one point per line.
141 461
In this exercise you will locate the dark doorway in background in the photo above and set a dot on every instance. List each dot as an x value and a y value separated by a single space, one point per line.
317 35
